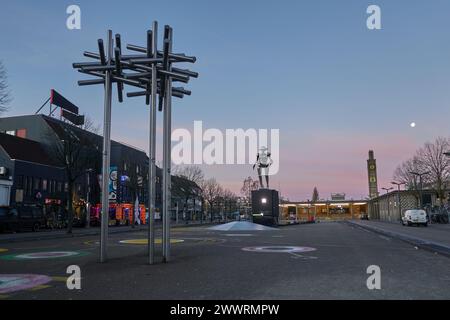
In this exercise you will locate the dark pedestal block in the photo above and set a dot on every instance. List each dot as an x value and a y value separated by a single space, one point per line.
265 207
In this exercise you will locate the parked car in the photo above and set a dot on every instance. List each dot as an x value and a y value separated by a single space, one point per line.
22 217
415 216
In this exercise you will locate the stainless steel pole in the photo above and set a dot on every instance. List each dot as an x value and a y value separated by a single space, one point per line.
88 205
106 155
167 163
152 152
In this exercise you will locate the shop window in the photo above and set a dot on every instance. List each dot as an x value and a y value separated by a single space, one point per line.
59 186
11 132
44 184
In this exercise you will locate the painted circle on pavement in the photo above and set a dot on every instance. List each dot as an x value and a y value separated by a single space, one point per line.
43 255
279 249
16 282
145 241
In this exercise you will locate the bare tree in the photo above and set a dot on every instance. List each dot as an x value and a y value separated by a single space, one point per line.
431 157
192 173
315 195
211 191
5 94
403 173
230 201
247 188
76 152
191 188
91 126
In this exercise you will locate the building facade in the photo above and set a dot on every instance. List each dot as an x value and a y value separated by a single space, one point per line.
390 206
38 172
323 210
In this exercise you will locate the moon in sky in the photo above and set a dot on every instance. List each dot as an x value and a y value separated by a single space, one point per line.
413 124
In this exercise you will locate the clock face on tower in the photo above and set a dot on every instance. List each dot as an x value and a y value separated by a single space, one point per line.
372 167
373 179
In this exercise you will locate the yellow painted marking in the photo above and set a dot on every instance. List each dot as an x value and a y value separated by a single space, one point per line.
145 241
3 296
39 287
3 250
62 279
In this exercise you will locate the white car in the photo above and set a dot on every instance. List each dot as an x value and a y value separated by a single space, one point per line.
416 216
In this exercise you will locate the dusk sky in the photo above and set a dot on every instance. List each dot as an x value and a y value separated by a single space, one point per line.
309 68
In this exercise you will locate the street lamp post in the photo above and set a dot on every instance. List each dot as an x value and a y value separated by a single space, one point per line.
420 175
388 204
398 184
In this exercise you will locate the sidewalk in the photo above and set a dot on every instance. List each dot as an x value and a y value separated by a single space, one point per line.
434 238
83 232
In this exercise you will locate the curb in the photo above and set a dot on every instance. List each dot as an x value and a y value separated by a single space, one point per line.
49 236
430 246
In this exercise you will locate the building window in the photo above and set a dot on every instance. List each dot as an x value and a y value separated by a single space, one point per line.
19 182
44 184
59 186
30 186
66 187
36 183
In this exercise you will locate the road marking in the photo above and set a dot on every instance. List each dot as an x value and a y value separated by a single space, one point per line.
17 282
145 241
279 249
43 255
239 235
297 256
3 296
40 287
62 279
3 250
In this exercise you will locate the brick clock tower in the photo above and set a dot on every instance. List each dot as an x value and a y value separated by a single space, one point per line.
372 175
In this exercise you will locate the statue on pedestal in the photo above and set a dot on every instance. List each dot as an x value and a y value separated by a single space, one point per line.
263 162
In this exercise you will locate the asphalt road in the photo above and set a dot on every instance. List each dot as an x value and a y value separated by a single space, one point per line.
213 265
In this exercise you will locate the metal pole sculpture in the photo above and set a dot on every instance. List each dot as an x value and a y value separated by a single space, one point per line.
152 146
151 71
167 149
